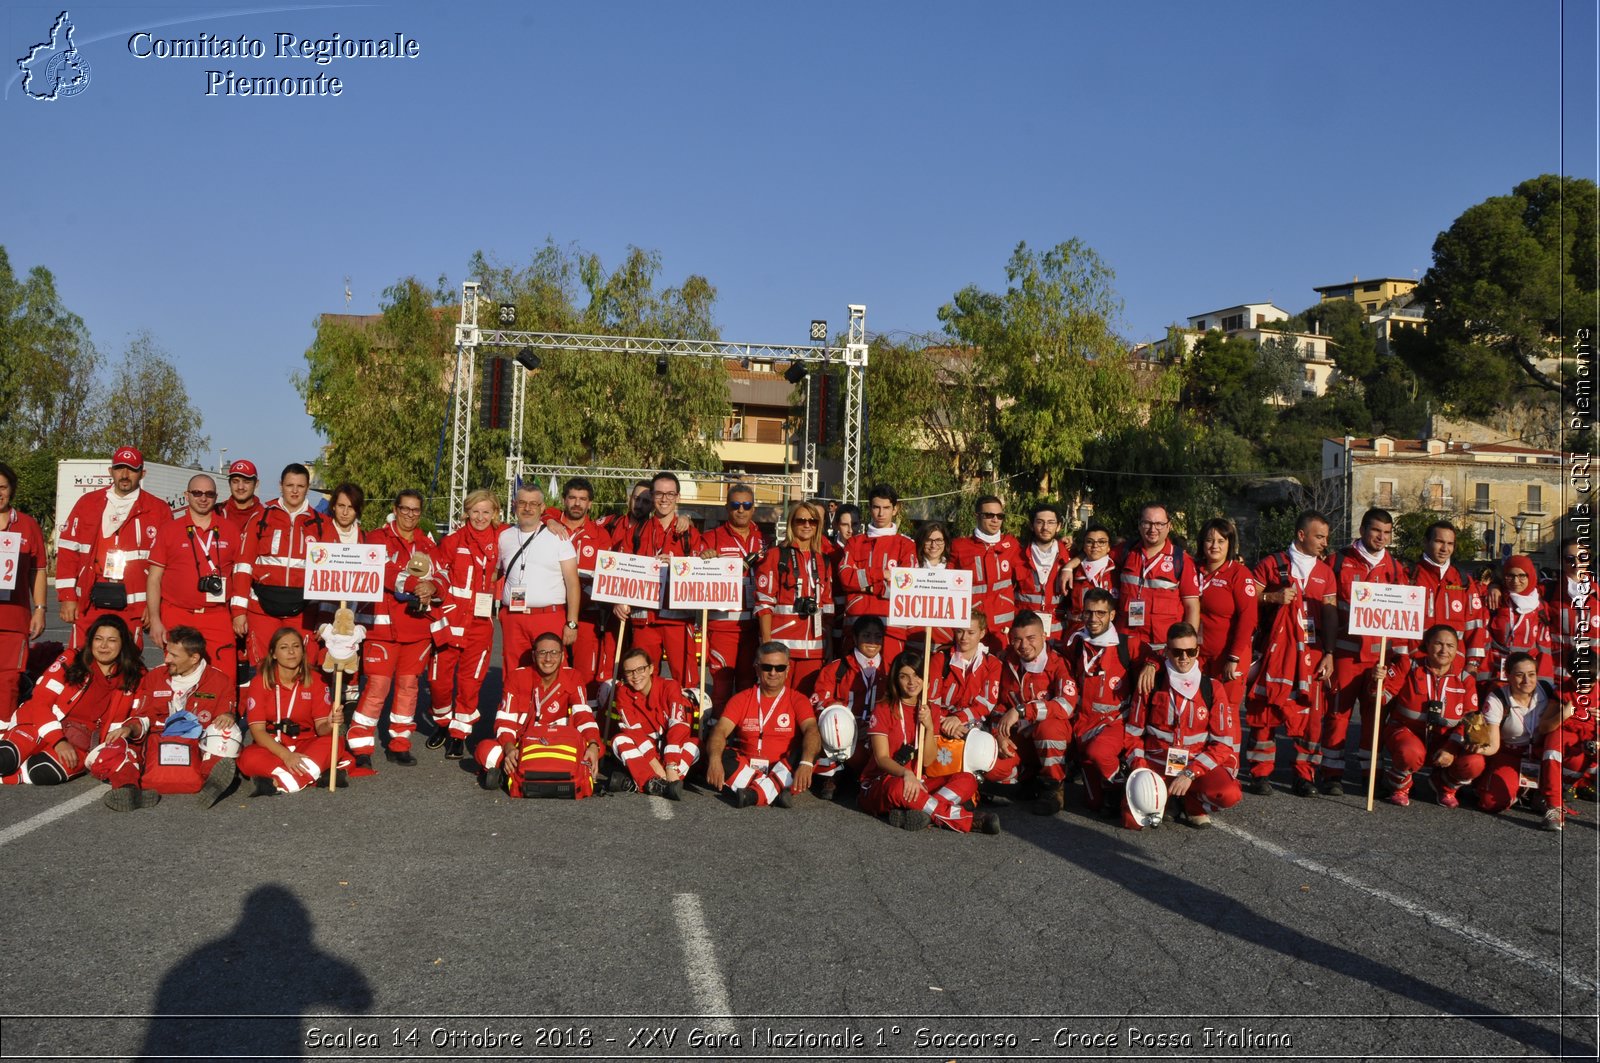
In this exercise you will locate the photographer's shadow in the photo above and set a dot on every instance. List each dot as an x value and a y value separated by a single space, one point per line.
243 994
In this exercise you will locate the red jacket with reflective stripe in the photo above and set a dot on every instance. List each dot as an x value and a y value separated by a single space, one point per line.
994 575
81 551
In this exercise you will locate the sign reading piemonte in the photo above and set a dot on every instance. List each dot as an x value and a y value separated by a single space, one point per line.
930 597
715 583
627 579
10 559
1387 609
344 572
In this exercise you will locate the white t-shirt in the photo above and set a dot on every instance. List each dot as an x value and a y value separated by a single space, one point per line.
1516 722
538 568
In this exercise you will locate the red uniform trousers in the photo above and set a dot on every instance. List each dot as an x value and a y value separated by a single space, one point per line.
256 762
767 782
386 664
13 659
1041 752
1350 687
731 659
947 804
1208 793
46 769
517 634
263 627
637 747
1301 721
1409 751
669 641
216 624
456 675
595 648
1502 776
1099 740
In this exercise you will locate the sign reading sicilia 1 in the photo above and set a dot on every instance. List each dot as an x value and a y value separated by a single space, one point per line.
1387 609
344 572
930 597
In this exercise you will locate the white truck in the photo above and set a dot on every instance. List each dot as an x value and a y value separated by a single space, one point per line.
76 477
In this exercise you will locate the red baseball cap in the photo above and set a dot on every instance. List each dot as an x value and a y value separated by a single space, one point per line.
128 456
243 468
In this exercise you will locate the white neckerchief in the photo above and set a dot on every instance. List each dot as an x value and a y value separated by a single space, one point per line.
1092 569
966 663
117 510
868 665
934 564
293 513
351 534
875 532
1443 569
1524 603
1043 561
1108 637
1035 666
1577 589
985 537
1185 684
183 685
1372 560
1300 564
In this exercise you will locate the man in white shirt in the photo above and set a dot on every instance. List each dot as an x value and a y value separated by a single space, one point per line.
539 589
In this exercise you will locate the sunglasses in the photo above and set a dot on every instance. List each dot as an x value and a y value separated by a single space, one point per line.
775 668
741 505
1179 651
1577 559
991 516
806 521
202 494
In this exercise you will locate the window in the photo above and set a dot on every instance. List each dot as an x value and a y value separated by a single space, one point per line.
1311 375
1385 494
1535 499
1480 497
1530 534
1436 496
1233 323
1371 287
1200 324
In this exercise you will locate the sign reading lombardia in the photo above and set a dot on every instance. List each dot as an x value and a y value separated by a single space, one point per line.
284 47
706 583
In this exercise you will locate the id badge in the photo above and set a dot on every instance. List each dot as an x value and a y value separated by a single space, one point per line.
1136 613
519 599
176 754
1308 628
216 597
1177 761
483 604
116 565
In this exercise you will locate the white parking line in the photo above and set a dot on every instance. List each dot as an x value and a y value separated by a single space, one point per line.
705 977
1421 911
50 815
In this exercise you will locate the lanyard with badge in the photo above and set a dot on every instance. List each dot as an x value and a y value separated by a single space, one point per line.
1136 605
517 597
483 601
1177 756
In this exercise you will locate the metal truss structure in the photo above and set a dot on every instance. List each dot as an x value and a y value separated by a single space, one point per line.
852 358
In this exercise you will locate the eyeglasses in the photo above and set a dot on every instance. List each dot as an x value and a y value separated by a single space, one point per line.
808 522
991 515
547 654
934 540
409 510
643 669
1097 542
1153 523
774 668
665 494
1576 559
523 503
202 494
741 505
1097 612
1183 651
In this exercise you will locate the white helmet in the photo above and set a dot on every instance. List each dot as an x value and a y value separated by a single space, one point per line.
699 699
838 727
221 741
1146 794
980 752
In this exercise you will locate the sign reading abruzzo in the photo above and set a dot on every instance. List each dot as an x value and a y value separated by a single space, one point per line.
1387 609
627 579
930 597
706 583
344 572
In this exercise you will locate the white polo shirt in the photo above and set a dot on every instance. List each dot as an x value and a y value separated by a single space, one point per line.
537 571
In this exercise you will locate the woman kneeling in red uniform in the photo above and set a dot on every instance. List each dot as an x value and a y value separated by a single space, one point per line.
290 721
1428 698
890 785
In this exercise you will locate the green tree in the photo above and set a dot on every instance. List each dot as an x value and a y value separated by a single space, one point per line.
1047 348
1411 531
1355 351
1513 280
145 404
1228 381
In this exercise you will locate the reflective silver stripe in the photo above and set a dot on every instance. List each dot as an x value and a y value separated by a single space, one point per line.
280 562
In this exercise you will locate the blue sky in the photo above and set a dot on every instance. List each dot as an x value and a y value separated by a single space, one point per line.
801 156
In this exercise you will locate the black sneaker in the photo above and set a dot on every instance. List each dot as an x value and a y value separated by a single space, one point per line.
220 780
986 823
455 749
399 756
826 788
910 819
744 798
1261 785
128 798
674 790
261 786
656 787
494 778
621 782
784 799
439 737
1331 787
364 760
1303 788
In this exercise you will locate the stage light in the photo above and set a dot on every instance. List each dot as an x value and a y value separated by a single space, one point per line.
528 359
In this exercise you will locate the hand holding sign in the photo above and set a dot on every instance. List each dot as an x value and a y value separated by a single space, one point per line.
1389 611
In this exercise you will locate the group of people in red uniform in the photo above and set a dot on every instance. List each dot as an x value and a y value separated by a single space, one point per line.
1113 660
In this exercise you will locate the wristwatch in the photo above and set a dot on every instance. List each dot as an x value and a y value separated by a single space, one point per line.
572 625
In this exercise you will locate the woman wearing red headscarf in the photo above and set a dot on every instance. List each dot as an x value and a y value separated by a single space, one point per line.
1522 623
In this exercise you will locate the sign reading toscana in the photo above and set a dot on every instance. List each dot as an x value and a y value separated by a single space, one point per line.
1386 609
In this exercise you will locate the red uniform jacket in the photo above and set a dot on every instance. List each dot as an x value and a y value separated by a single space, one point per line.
1107 677
969 690
994 575
1228 610
1455 598
842 682
214 695
764 730
272 552
1038 695
1205 727
1039 585
1162 583
782 575
898 724
651 539
79 713
1349 567
1291 639
82 553
1105 580
588 540
397 620
16 604
653 713
1410 686
471 560
237 518
561 703
1568 608
186 553
1512 632
864 571
726 543
300 705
